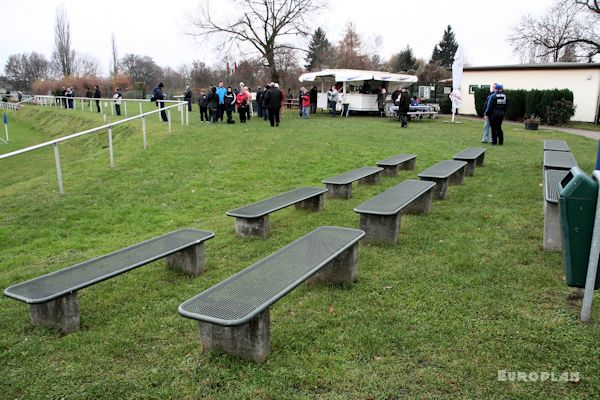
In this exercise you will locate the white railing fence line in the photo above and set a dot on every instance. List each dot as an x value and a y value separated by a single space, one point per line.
108 126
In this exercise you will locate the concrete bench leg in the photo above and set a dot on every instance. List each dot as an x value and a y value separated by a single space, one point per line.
251 340
61 313
440 191
190 261
458 177
480 159
390 170
372 179
470 168
380 228
339 191
421 205
552 234
342 270
258 227
409 164
315 203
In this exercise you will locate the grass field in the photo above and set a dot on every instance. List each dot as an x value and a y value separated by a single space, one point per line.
466 292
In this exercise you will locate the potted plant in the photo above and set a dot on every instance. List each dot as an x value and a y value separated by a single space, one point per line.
532 122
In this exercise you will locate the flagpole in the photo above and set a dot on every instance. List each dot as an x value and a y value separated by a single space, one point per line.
6 127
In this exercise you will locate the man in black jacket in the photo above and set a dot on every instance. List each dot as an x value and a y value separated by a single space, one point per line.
187 96
403 107
259 99
97 96
159 96
313 99
495 113
272 101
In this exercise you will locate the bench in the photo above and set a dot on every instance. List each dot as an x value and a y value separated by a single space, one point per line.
444 173
392 164
552 234
421 114
559 160
340 186
52 298
380 216
555 145
253 219
473 156
234 314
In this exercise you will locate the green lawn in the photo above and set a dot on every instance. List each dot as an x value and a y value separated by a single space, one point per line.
466 292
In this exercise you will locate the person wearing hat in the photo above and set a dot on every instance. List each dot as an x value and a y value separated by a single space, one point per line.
158 95
495 112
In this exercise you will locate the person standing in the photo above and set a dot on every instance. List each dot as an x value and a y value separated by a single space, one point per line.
381 98
97 96
19 96
495 112
249 108
187 96
117 99
289 97
203 105
265 109
403 107
221 91
332 98
213 105
89 95
71 95
229 101
273 99
242 105
486 138
159 96
313 99
259 99
63 93
305 104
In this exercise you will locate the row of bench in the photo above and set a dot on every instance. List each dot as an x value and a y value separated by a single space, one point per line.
234 314
558 161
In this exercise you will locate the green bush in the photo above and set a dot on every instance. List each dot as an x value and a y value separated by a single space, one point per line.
559 112
480 97
446 106
516 104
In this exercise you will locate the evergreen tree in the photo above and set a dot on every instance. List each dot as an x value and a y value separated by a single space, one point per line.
318 51
403 61
444 51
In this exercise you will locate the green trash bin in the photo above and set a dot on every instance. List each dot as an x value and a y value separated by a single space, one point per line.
577 196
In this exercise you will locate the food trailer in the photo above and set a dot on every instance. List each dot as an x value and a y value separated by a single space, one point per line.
357 88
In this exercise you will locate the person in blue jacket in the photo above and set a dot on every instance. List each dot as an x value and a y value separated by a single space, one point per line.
495 112
221 91
486 138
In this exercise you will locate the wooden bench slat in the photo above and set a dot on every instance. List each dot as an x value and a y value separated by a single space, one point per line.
59 283
351 176
552 177
397 159
246 294
443 169
470 153
275 203
393 200
559 160
555 145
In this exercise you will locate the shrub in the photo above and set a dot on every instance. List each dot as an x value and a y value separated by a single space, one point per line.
516 104
559 112
480 97
446 106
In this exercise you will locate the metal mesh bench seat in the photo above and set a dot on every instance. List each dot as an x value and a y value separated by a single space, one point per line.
555 145
340 186
380 216
559 160
391 165
237 309
473 156
48 293
444 173
552 235
253 219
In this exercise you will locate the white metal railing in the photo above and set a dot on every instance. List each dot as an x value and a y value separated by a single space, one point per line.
5 105
54 143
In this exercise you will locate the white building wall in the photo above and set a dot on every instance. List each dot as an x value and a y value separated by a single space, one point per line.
584 83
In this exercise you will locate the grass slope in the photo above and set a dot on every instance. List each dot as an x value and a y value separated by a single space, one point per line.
467 291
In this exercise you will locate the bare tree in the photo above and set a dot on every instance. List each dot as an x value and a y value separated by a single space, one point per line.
142 69
22 70
86 65
115 56
63 57
269 27
350 53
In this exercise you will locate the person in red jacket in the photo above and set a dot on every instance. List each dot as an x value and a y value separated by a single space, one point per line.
305 104
242 103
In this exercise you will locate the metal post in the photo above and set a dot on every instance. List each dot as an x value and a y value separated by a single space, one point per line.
81 104
590 280
182 116
125 105
112 109
160 106
187 117
140 103
110 148
61 190
144 131
169 118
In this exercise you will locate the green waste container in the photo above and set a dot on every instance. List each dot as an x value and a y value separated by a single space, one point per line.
577 196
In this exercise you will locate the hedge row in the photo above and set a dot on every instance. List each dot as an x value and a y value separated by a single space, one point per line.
545 104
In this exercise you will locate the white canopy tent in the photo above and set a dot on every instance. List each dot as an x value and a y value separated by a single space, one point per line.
359 88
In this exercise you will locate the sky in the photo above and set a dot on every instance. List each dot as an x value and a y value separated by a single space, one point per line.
156 28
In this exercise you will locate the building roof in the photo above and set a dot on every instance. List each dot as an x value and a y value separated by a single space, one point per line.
558 65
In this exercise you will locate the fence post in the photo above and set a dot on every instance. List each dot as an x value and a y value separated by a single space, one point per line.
144 131
125 104
140 103
182 115
110 147
187 117
112 109
160 106
169 118
61 190
81 104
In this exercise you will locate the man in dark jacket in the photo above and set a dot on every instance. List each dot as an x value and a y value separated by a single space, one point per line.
495 112
259 99
203 105
97 96
313 99
265 110
272 100
187 96
403 107
159 95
